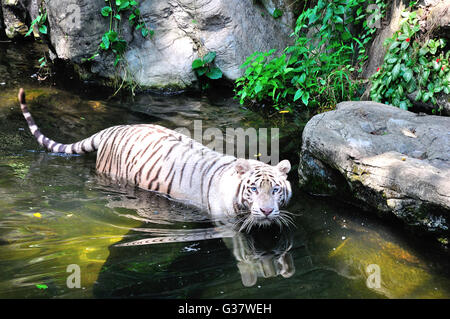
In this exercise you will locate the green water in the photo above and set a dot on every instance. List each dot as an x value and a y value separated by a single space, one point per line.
55 212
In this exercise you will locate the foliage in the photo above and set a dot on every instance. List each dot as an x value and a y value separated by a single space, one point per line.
320 68
205 69
411 64
205 66
39 22
111 39
277 13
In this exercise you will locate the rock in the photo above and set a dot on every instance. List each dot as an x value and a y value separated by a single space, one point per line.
184 31
436 18
383 159
14 15
442 106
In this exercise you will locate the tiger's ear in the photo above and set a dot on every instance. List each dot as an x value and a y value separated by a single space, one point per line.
284 166
242 166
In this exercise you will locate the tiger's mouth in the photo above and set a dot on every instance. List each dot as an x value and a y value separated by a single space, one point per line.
246 222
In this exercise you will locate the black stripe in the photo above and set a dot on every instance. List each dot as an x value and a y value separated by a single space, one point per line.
83 149
170 150
192 174
154 179
170 171
110 158
204 174
148 160
222 167
181 174
112 143
92 142
151 168
169 187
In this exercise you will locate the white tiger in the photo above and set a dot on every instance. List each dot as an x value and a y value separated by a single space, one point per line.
158 159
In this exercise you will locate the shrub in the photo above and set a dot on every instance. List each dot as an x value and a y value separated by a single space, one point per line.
412 64
318 69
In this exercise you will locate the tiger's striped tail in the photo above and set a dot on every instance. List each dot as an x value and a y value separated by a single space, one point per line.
89 144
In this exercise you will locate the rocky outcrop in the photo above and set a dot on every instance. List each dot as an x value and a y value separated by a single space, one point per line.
184 31
13 21
383 159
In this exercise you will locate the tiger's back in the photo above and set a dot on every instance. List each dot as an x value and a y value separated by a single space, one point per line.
155 158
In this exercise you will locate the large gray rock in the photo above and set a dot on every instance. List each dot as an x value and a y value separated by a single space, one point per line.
184 31
383 159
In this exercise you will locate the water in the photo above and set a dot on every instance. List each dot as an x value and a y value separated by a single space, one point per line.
55 212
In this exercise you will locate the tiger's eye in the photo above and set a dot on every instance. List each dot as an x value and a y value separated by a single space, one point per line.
253 189
275 190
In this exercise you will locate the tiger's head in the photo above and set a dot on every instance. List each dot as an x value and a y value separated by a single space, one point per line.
262 191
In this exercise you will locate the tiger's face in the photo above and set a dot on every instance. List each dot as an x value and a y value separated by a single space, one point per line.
263 190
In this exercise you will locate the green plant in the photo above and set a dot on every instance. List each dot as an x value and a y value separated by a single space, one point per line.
111 39
205 66
413 64
277 13
320 68
39 22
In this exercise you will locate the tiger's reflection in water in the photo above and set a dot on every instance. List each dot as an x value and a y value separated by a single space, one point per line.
262 253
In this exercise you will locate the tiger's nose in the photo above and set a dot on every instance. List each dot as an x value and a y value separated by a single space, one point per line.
266 211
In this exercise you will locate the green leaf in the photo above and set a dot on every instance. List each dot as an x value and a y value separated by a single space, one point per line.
197 63
144 32
41 286
30 30
201 71
119 46
403 105
305 98
395 71
43 29
117 60
302 78
419 95
118 17
391 60
112 35
209 57
214 74
298 94
105 41
106 11
407 75
394 45
404 45
277 13
258 87
124 5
